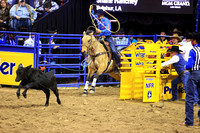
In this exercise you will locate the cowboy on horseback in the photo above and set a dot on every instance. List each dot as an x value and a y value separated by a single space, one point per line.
104 29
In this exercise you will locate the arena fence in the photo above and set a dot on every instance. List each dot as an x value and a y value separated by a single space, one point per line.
69 67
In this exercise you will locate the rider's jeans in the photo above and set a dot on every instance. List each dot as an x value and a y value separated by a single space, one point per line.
114 49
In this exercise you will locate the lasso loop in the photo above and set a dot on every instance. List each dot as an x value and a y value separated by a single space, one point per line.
94 25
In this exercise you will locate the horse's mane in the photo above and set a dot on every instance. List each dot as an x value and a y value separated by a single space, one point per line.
89 31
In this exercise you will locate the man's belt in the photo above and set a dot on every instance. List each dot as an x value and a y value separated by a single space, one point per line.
183 72
23 19
106 36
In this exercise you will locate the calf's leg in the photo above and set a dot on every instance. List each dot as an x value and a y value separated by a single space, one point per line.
47 92
55 91
30 85
18 91
24 93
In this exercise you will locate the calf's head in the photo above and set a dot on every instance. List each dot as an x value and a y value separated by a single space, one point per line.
22 72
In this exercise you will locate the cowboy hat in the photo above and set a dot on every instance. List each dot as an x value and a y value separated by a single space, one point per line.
131 32
174 48
34 30
100 12
189 35
176 31
195 35
52 30
177 36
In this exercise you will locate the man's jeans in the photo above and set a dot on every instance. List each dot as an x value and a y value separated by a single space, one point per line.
193 84
183 78
16 24
114 50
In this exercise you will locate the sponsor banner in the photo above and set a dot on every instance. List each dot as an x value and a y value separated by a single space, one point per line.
9 62
168 91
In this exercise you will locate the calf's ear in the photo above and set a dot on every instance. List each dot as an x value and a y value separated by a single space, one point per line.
28 67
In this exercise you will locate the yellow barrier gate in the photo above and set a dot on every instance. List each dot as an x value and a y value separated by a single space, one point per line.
142 79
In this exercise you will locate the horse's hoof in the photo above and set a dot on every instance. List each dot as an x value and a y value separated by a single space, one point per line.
92 91
85 93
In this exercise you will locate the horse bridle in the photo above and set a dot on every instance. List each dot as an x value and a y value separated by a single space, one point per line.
98 54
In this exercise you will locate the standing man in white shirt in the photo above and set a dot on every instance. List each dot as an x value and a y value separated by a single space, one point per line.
186 46
30 42
179 63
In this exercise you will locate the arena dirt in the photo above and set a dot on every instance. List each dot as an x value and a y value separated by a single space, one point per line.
102 112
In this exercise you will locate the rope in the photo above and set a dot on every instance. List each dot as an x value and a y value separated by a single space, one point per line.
70 69
83 64
101 23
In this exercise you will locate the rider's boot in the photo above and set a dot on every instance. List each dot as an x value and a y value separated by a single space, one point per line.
116 70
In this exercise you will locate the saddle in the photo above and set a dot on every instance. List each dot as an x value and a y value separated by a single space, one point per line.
108 49
109 52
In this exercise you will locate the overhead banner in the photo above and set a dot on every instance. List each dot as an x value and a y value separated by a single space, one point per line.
147 6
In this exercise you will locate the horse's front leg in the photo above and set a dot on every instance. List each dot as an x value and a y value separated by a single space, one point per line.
18 91
89 76
92 89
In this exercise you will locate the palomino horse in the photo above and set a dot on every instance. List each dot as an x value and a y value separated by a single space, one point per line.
99 61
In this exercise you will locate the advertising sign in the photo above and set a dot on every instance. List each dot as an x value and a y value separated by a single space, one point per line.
9 61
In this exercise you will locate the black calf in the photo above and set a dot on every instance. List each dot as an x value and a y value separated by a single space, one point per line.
36 79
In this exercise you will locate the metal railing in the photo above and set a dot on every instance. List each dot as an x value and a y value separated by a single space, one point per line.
71 57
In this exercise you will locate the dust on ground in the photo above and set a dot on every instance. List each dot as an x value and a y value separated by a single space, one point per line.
101 112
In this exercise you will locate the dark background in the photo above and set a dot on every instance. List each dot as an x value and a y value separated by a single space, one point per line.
73 18
152 6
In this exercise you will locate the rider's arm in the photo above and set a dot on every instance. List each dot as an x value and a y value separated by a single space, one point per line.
173 60
95 17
